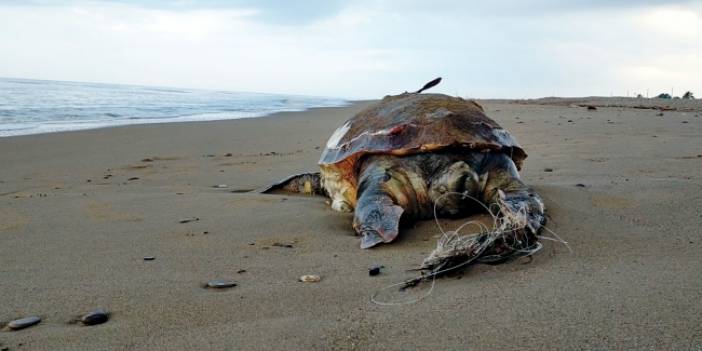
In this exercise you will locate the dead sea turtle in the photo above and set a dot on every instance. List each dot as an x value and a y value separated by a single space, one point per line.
398 158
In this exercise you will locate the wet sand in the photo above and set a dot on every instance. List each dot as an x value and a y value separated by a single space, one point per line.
80 210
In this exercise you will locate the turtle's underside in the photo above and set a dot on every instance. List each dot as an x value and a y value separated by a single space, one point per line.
399 158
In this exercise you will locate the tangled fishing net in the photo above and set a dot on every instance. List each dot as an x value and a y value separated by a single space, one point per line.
509 237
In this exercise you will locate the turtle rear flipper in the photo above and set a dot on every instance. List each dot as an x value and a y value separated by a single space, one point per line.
303 183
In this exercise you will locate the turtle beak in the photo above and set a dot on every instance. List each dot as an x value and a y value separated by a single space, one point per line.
377 224
370 238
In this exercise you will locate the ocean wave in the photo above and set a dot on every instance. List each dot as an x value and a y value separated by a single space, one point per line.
31 107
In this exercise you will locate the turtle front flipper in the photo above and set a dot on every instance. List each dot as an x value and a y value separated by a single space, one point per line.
384 194
515 200
304 183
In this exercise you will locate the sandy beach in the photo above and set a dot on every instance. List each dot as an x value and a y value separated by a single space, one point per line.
80 210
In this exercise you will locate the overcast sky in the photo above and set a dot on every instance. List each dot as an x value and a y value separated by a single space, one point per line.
361 49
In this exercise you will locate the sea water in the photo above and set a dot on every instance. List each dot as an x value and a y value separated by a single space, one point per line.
40 106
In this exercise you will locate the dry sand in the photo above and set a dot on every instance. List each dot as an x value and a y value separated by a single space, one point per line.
74 230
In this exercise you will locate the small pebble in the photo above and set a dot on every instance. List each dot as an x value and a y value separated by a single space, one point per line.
220 284
133 178
283 245
96 317
147 160
548 169
187 220
228 155
310 278
580 185
241 271
23 323
221 186
149 258
375 270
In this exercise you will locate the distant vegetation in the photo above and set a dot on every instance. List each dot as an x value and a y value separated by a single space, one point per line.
687 96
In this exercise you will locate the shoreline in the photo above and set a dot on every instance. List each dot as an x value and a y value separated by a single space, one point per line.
145 122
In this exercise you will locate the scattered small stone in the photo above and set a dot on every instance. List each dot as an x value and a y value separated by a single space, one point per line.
147 160
591 108
133 178
570 120
188 220
96 317
580 185
548 169
221 186
241 271
660 114
241 191
149 258
316 147
683 122
375 270
23 323
283 245
252 244
205 232
220 284
310 278
4 348
229 154
88 180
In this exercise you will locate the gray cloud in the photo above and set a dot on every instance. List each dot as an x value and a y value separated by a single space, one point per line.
364 48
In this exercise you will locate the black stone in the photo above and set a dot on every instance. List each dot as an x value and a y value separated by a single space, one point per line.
375 270
96 317
149 258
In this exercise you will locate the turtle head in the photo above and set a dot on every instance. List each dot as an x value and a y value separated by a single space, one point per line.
449 187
